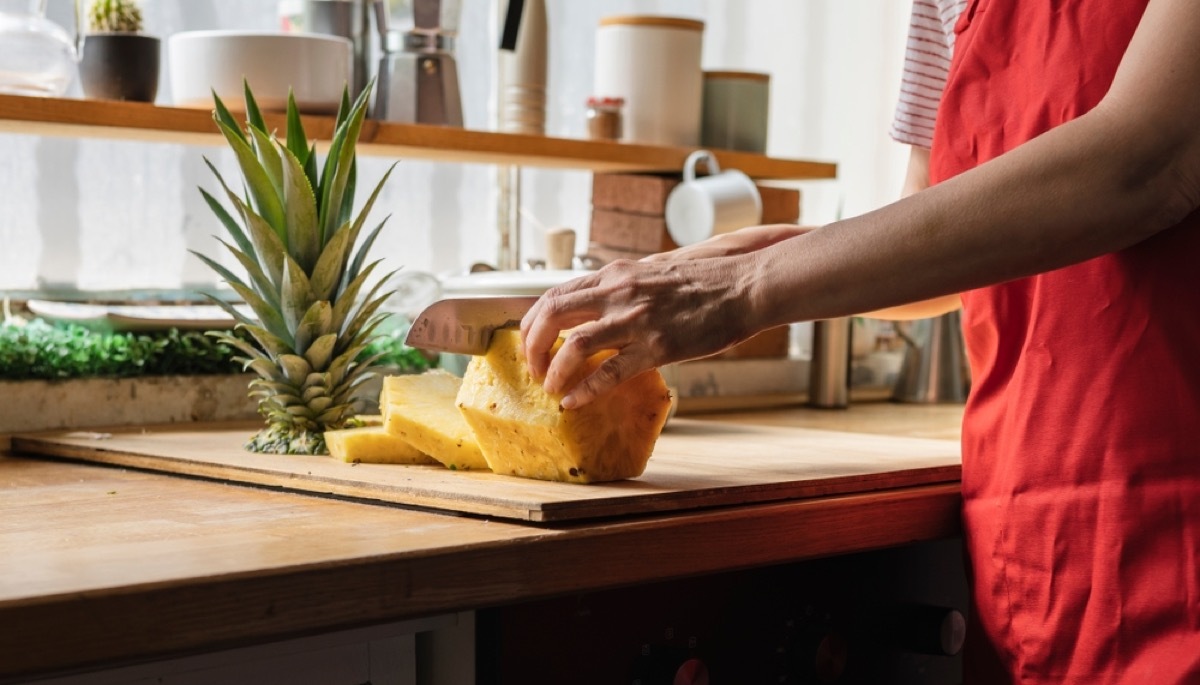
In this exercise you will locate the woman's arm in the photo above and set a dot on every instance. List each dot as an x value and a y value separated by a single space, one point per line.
1105 181
735 243
916 179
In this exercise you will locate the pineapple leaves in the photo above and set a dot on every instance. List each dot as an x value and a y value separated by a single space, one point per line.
310 169
261 284
264 148
224 273
317 322
305 261
270 342
254 116
222 115
258 182
297 141
355 266
295 294
303 240
345 301
266 243
347 209
320 353
268 315
295 368
329 268
338 164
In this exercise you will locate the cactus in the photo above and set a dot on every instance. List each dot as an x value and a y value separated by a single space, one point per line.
115 16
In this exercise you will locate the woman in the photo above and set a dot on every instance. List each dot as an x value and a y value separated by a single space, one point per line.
1066 178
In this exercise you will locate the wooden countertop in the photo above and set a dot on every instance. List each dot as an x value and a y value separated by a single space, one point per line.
105 565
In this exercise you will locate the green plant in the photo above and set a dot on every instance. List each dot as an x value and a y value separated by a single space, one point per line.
38 350
305 280
114 16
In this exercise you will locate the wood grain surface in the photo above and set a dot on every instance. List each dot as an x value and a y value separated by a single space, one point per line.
696 464
106 565
147 122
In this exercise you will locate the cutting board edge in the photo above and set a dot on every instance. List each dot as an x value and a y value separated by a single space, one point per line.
30 445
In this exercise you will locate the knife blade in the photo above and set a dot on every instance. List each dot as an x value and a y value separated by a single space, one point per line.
465 325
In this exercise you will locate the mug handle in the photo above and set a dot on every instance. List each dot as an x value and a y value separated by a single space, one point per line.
689 166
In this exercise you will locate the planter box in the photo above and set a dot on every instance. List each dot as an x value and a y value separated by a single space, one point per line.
93 402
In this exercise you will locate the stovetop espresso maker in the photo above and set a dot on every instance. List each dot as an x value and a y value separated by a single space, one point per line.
418 77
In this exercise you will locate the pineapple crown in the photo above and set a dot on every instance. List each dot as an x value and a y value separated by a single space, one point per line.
305 281
115 16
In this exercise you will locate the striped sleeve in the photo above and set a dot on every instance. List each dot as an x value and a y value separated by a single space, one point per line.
926 64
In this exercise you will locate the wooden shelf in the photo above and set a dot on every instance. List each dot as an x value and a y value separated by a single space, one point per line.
146 122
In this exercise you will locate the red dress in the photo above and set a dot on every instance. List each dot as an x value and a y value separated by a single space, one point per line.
1081 446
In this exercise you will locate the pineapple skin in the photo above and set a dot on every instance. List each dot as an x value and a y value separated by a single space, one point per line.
524 431
373 445
419 409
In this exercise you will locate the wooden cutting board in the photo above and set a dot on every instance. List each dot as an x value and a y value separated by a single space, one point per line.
696 464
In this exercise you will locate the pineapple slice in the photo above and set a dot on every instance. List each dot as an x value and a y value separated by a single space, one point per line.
373 445
523 431
419 409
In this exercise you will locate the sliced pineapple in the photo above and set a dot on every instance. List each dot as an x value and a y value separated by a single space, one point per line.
420 409
373 445
523 431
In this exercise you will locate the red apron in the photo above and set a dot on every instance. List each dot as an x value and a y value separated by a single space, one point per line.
1081 444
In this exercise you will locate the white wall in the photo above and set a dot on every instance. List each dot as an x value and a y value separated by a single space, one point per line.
98 214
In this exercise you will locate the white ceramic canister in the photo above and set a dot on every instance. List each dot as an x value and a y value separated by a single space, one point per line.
735 111
653 63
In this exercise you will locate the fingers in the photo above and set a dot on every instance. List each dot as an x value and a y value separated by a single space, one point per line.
582 343
554 312
614 371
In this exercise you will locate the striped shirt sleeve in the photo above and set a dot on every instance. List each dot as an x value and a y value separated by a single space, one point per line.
926 64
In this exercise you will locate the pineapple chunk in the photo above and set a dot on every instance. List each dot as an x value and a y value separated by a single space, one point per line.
420 410
523 431
373 445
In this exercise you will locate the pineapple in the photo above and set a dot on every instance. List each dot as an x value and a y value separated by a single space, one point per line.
373 445
524 431
420 410
295 235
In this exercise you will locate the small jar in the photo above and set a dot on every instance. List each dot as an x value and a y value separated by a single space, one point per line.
604 118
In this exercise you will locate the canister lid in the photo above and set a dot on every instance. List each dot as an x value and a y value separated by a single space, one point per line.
652 20
743 75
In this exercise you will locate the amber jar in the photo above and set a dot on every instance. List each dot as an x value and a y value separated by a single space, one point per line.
604 118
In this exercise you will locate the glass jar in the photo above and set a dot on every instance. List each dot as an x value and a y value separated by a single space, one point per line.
604 118
37 56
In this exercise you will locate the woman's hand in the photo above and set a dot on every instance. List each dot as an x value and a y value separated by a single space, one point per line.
651 312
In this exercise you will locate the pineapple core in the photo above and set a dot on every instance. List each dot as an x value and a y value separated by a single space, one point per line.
419 409
373 445
523 431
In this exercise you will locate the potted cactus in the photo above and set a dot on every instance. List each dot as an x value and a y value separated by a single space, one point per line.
304 251
119 62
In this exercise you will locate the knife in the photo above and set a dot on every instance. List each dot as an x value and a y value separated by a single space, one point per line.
465 325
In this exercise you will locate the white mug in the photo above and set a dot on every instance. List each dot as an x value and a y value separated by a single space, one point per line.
723 201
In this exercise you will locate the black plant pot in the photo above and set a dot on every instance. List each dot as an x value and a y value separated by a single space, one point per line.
120 66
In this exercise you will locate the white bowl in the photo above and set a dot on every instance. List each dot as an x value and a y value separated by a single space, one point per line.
316 67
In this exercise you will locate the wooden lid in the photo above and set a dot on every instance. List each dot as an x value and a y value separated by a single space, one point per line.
744 75
651 20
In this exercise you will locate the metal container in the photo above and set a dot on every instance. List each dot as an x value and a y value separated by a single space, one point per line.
829 375
934 368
